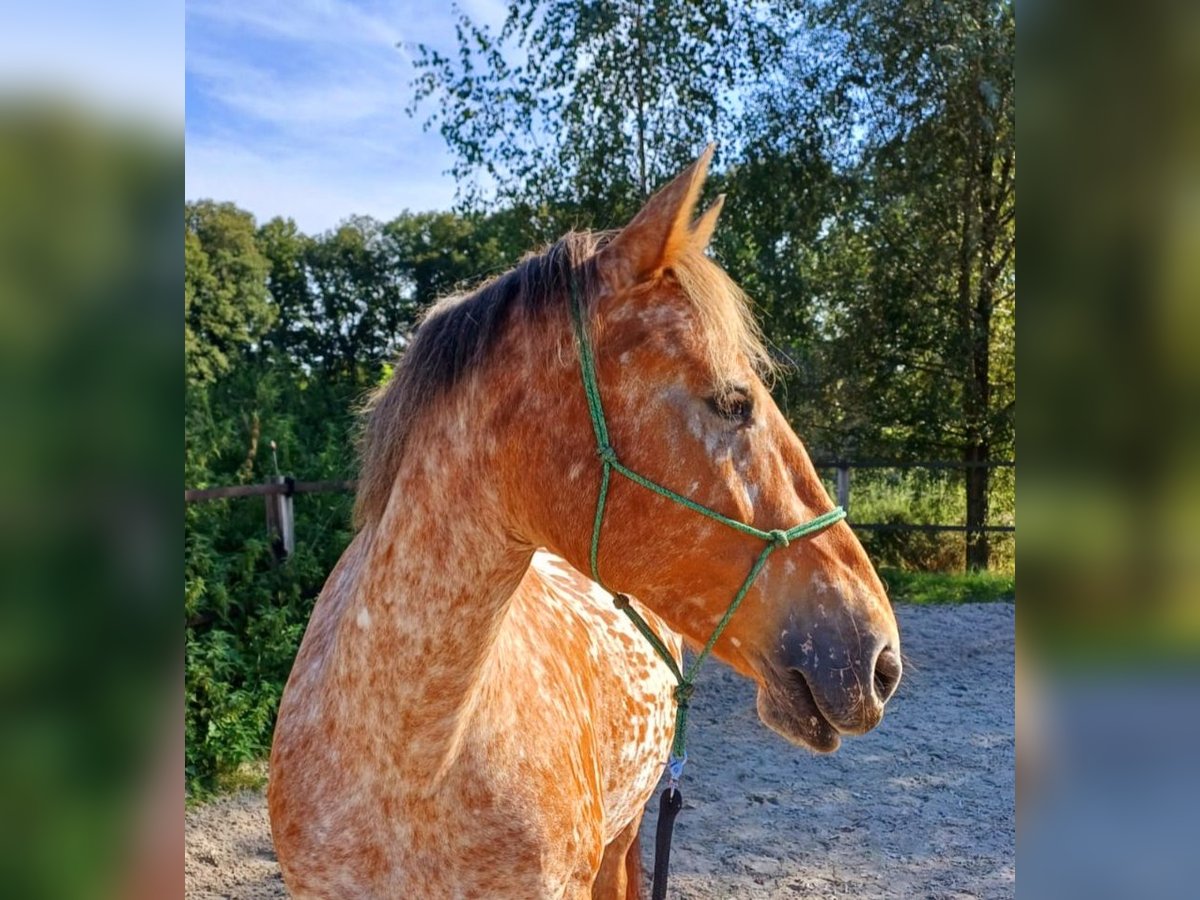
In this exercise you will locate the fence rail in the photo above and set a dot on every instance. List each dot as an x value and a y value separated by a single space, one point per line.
286 487
931 528
894 464
280 490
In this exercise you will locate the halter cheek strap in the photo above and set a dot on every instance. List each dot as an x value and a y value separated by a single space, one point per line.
609 462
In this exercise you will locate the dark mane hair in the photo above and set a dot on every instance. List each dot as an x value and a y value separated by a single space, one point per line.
454 337
459 333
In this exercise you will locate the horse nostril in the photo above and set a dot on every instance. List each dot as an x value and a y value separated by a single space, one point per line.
887 673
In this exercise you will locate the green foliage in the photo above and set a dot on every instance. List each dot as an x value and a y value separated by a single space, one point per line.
245 616
927 233
224 297
909 498
244 611
579 110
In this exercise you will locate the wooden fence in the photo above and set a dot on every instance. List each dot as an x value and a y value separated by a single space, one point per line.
279 491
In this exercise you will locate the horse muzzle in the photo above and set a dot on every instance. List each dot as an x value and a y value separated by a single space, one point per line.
850 682
821 685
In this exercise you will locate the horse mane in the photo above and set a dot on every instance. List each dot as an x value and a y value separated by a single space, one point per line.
458 334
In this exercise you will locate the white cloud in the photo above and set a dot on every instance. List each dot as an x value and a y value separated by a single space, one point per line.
302 110
306 21
327 95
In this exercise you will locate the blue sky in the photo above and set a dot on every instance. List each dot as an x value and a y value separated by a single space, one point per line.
296 107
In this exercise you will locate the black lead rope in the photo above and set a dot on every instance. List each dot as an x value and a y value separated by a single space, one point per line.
669 805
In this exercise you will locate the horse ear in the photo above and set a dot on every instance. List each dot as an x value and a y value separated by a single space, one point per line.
660 232
703 227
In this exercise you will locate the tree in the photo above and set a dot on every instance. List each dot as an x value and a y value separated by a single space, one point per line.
437 253
780 198
289 288
919 273
580 109
361 311
224 295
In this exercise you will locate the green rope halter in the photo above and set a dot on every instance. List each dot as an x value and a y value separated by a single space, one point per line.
610 463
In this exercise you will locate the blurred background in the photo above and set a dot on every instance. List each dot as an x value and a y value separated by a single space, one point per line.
1109 622
91 270
867 148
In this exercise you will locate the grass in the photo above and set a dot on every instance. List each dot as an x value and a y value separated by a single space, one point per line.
948 587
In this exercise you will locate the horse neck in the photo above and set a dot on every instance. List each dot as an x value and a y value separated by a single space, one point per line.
437 577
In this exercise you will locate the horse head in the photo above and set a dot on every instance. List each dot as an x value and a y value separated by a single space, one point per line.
681 368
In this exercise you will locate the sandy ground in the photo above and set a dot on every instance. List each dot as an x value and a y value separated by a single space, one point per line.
921 807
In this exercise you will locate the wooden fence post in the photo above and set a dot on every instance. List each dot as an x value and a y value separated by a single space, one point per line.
843 488
281 523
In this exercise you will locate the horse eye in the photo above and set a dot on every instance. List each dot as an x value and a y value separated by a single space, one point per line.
736 405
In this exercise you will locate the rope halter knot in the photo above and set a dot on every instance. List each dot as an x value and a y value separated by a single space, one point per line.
779 538
607 454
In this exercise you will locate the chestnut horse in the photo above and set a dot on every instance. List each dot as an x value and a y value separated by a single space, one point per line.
468 715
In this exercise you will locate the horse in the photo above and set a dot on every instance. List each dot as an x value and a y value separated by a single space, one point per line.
468 715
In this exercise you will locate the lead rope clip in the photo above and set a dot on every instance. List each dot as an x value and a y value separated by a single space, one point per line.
675 771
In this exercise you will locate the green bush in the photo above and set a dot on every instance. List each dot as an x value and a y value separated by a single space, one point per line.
245 614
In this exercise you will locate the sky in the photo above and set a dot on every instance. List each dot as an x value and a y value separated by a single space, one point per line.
296 108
